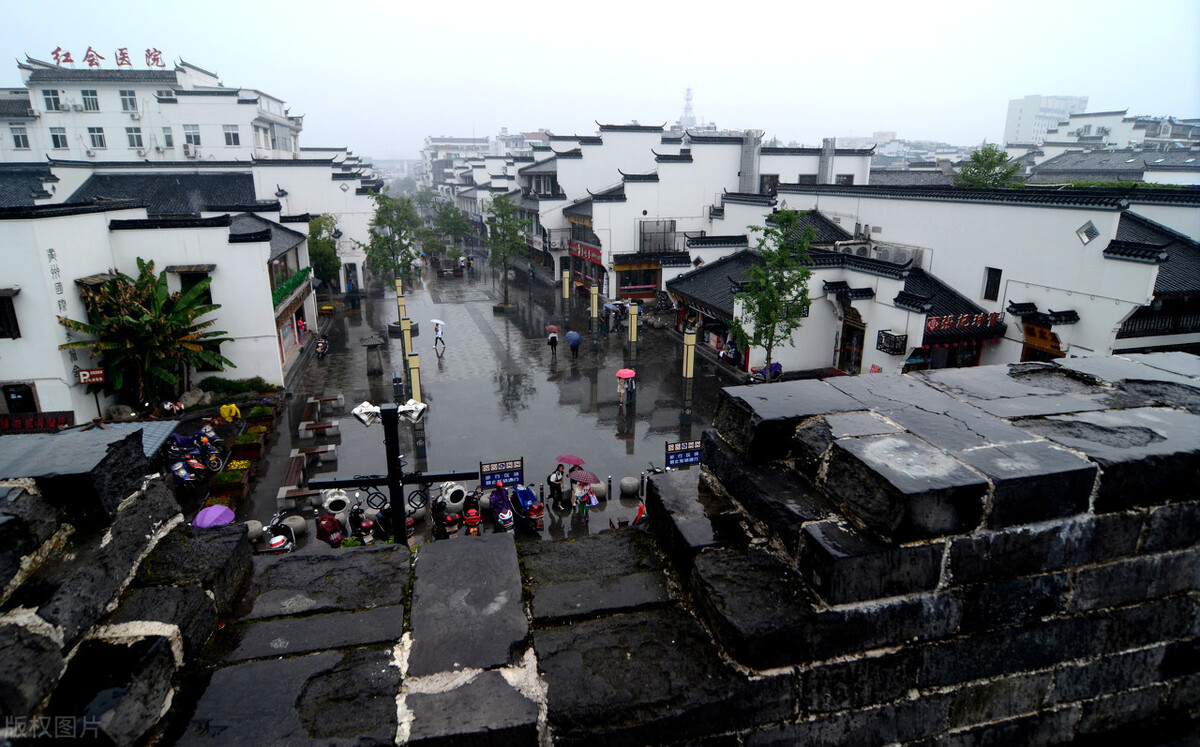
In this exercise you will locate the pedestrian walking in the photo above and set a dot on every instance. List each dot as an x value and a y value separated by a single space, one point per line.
437 337
555 481
553 343
300 329
575 348
587 499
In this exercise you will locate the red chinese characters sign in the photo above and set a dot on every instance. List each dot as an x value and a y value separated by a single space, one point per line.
585 251
121 57
952 322
39 422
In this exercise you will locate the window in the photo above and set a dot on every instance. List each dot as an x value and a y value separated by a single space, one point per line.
1087 232
8 318
165 93
231 135
134 134
58 137
96 137
188 280
768 184
50 96
806 179
191 134
20 137
262 138
91 101
845 180
658 236
19 399
991 284
168 138
128 101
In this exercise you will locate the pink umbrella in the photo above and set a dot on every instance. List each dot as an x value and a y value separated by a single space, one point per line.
552 328
214 516
626 373
583 477
569 459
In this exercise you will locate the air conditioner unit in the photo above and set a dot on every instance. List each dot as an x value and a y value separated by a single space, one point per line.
77 107
189 150
141 151
134 115
91 153
158 149
64 108
31 112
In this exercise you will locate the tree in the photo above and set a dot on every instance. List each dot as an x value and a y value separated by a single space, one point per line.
989 168
405 186
452 222
322 249
505 242
430 242
393 231
774 290
147 339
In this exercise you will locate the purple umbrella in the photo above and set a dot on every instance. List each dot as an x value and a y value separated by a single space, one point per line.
214 516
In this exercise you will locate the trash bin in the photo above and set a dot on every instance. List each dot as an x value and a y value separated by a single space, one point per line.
397 385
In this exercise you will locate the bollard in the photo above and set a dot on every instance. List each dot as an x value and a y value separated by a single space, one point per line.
609 493
642 485
541 492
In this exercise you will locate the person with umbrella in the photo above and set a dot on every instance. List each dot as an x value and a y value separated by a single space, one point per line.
552 341
625 386
438 326
555 479
574 339
584 496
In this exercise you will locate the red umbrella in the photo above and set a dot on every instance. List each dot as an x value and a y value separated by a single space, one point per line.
583 477
552 328
569 459
626 373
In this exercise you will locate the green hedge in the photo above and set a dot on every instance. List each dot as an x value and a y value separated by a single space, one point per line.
235 386
289 285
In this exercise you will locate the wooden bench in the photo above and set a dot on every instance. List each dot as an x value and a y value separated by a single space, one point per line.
336 402
317 454
293 474
310 426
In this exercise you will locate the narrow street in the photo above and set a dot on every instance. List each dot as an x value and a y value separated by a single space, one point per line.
496 393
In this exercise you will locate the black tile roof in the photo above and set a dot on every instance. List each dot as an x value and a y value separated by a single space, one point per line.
945 301
684 156
715 139
1097 199
890 178
631 128
708 242
122 75
748 198
612 194
827 231
637 177
282 238
712 287
171 194
590 140
785 151
14 106
21 183
577 153
1179 273
672 139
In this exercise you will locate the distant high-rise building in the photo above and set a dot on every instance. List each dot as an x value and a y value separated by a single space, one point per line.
1029 118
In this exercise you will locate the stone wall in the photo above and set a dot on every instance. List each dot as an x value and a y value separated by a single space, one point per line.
105 593
1007 554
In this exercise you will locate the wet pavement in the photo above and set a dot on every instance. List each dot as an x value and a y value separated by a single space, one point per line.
496 393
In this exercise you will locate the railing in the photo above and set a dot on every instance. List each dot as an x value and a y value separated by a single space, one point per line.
287 286
1152 326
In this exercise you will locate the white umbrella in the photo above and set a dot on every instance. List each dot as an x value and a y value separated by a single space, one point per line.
437 321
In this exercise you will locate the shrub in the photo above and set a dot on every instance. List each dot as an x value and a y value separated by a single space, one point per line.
248 438
351 542
235 386
257 429
261 411
228 477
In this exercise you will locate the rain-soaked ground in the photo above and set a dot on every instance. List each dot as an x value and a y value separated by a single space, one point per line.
496 393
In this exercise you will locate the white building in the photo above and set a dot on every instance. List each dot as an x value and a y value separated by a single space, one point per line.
1029 118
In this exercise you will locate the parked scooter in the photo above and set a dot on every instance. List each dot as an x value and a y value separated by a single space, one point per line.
472 517
197 447
446 521
322 347
361 527
501 508
527 507
278 537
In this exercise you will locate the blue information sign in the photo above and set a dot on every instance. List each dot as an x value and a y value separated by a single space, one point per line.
682 453
511 472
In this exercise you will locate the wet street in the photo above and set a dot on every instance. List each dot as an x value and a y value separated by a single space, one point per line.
496 393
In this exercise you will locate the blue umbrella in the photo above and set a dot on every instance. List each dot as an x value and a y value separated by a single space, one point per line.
574 338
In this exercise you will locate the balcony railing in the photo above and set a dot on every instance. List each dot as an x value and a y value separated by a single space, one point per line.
1160 324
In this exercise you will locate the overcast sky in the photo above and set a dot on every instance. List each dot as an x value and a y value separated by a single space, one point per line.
378 77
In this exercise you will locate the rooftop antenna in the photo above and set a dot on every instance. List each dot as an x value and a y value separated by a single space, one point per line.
688 118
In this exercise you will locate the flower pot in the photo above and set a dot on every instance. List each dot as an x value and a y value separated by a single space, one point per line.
252 450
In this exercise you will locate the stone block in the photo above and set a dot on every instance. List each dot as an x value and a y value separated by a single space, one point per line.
844 565
903 488
814 436
758 421
857 682
1033 481
89 485
1009 651
899 722
30 665
1045 727
466 620
120 688
1113 711
931 415
646 677
614 593
187 607
773 495
1145 454
999 604
1028 550
298 583
219 558
26 522
899 621
1108 674
288 636
1183 702
74 589
1146 624
999 699
320 698
1172 527
589 558
685 529
1134 580
497 714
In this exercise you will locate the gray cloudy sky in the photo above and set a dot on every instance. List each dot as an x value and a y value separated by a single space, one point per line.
379 77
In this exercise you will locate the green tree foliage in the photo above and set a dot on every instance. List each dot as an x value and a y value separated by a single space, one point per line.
505 241
322 249
430 241
452 222
989 168
774 293
147 339
405 186
393 233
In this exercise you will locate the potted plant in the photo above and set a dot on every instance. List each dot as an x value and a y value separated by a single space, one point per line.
249 446
261 415
231 484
